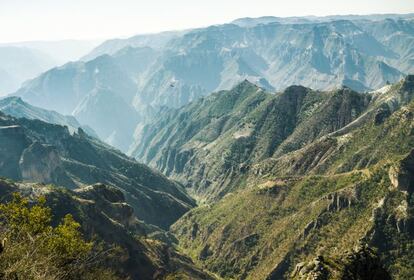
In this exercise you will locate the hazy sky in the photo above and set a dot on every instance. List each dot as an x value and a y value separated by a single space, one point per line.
23 20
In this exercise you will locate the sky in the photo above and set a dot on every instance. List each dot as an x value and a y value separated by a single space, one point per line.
32 20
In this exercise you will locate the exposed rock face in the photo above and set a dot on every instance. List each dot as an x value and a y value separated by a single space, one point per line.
39 163
111 194
12 143
204 253
402 175
364 264
382 114
35 151
359 264
315 270
341 200
107 218
112 200
337 201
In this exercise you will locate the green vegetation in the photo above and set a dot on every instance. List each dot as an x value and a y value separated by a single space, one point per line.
90 231
34 249
270 227
339 202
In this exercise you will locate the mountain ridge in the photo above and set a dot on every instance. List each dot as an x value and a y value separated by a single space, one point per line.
361 54
181 142
311 212
47 153
16 107
130 248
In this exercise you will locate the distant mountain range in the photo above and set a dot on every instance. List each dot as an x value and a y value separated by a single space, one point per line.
140 75
155 41
22 61
98 93
62 51
18 64
248 21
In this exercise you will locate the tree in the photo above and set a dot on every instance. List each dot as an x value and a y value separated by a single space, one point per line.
36 250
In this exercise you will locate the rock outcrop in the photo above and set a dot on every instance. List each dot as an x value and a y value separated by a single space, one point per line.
361 263
35 151
402 175
107 219
39 163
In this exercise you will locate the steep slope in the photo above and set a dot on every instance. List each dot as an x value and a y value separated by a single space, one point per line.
106 217
321 55
35 151
145 73
209 143
266 231
362 143
16 107
397 36
301 217
178 140
81 89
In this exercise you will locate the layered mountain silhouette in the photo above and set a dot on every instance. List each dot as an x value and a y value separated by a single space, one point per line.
98 93
19 64
140 75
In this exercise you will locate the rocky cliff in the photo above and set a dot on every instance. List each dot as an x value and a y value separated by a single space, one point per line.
35 151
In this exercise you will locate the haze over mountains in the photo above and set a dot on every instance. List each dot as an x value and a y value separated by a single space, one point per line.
19 64
139 75
265 149
26 60
61 51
